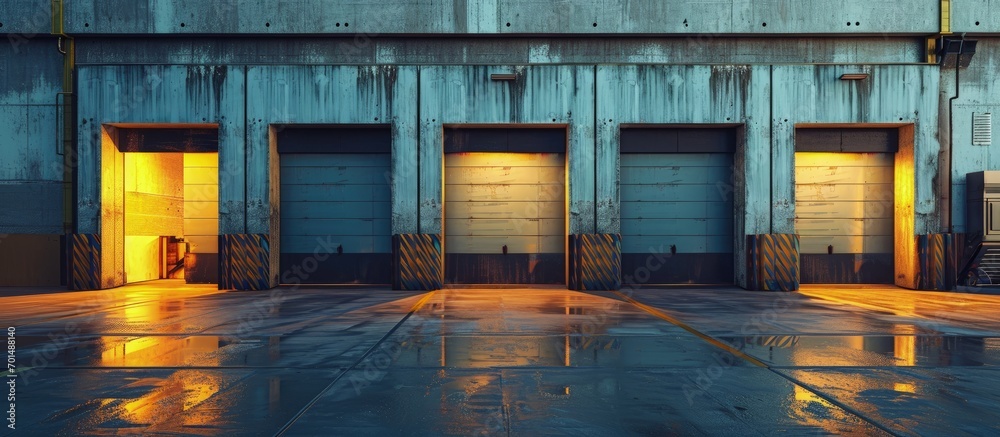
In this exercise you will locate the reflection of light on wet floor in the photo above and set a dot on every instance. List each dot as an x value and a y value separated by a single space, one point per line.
804 405
971 310
158 351
802 394
518 351
871 350
168 351
905 346
181 391
529 327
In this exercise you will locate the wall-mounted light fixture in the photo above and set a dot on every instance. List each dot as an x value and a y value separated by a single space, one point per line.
955 52
503 76
854 76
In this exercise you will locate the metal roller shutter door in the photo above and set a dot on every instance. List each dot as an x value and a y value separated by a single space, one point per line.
676 218
493 200
844 209
337 203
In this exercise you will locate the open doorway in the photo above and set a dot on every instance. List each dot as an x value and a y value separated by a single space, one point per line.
162 187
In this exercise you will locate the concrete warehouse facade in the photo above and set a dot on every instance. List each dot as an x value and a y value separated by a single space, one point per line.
593 145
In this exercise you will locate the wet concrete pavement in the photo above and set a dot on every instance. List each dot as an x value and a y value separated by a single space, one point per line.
165 358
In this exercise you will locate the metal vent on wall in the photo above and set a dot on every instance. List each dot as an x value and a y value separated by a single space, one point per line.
982 129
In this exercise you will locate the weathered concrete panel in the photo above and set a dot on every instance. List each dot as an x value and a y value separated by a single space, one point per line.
261 17
686 49
501 16
42 159
31 169
843 17
31 207
28 144
719 17
13 141
480 16
161 94
728 95
31 71
333 95
550 95
24 19
975 16
979 92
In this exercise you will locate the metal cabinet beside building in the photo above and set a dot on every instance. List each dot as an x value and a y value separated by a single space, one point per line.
983 204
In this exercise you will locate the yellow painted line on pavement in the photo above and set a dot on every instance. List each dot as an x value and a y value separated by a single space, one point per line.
420 303
717 343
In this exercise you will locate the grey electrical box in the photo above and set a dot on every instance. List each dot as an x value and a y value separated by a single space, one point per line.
983 204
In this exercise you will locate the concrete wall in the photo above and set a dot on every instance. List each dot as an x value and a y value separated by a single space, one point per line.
490 50
502 17
31 167
593 102
978 91
29 260
398 62
979 16
24 20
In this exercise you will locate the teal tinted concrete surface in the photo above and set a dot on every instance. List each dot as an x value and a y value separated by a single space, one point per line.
170 359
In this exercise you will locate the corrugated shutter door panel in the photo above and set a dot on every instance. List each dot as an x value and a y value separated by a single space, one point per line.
844 215
677 199
337 201
494 200
676 218
845 200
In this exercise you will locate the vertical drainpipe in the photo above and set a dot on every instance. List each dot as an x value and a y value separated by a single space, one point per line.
946 141
65 122
64 113
947 219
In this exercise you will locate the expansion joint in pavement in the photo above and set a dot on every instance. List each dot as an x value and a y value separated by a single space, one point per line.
416 307
656 312
711 340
